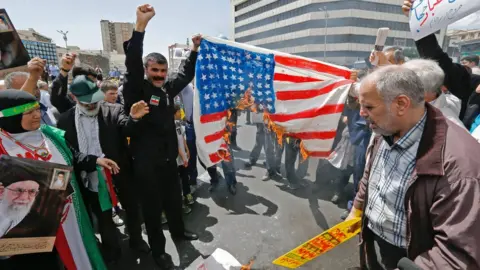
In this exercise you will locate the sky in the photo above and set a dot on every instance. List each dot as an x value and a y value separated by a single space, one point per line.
174 22
469 22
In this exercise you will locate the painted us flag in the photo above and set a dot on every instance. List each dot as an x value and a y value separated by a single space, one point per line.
303 97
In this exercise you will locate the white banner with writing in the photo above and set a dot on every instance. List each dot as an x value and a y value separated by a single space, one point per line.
429 16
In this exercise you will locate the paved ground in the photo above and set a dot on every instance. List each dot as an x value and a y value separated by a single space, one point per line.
263 221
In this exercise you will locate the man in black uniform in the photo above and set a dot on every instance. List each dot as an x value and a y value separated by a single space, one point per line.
154 144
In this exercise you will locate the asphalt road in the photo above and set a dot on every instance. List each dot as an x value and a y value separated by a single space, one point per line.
262 222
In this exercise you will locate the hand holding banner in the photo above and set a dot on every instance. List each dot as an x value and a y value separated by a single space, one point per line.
429 16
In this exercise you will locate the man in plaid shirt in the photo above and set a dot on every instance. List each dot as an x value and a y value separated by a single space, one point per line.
419 197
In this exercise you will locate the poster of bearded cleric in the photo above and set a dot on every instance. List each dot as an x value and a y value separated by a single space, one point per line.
32 197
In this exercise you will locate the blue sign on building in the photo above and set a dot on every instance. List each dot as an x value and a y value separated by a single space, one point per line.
44 50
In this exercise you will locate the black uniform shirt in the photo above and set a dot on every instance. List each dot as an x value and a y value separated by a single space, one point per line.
155 136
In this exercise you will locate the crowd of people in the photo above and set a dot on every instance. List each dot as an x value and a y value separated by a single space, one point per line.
409 135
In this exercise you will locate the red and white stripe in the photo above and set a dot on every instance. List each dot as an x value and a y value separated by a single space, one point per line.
310 96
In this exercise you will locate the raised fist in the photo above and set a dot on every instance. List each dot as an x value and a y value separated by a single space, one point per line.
145 13
68 60
36 67
407 6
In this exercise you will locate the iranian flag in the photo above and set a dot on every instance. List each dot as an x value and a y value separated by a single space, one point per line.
75 240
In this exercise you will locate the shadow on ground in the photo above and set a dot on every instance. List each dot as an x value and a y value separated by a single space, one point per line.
238 204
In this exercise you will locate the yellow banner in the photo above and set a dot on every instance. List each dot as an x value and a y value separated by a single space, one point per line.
318 245
182 114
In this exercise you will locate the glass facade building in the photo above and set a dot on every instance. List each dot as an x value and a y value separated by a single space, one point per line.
44 50
299 26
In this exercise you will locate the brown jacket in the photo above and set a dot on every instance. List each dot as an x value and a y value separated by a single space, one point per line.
442 199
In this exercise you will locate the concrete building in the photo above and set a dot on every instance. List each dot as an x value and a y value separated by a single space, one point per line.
459 43
92 58
117 61
114 34
299 26
176 54
38 45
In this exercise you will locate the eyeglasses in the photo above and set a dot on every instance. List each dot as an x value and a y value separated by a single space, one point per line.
19 192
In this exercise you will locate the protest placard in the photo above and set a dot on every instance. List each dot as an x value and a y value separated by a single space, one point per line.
32 197
429 16
13 55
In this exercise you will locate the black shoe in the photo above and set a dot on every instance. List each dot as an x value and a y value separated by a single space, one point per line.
140 246
275 176
232 189
212 187
112 257
272 176
235 147
293 186
266 177
164 261
187 236
335 199
249 164
345 215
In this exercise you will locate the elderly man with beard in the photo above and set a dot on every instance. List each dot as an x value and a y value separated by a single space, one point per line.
420 194
18 190
96 127
154 143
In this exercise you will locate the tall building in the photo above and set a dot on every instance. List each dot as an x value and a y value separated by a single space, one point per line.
114 34
176 54
38 45
92 58
299 26
461 43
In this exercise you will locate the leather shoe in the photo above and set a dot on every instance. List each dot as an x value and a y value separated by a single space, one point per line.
187 236
140 246
164 261
232 189
212 187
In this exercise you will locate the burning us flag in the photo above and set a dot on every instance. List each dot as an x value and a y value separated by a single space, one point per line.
300 97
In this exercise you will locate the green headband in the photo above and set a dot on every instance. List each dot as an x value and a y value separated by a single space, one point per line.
19 109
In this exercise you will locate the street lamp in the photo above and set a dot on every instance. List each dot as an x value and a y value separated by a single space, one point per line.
324 9
64 34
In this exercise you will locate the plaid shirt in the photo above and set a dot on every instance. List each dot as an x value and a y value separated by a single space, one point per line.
387 185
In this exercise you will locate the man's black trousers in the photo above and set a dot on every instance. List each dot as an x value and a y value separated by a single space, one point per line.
159 190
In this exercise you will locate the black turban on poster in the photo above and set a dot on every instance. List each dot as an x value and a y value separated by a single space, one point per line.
10 99
13 170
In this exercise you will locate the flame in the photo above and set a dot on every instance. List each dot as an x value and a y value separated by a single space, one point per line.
225 155
249 265
226 136
303 152
247 101
278 130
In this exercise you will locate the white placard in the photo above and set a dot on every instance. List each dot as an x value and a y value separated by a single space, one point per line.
429 16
